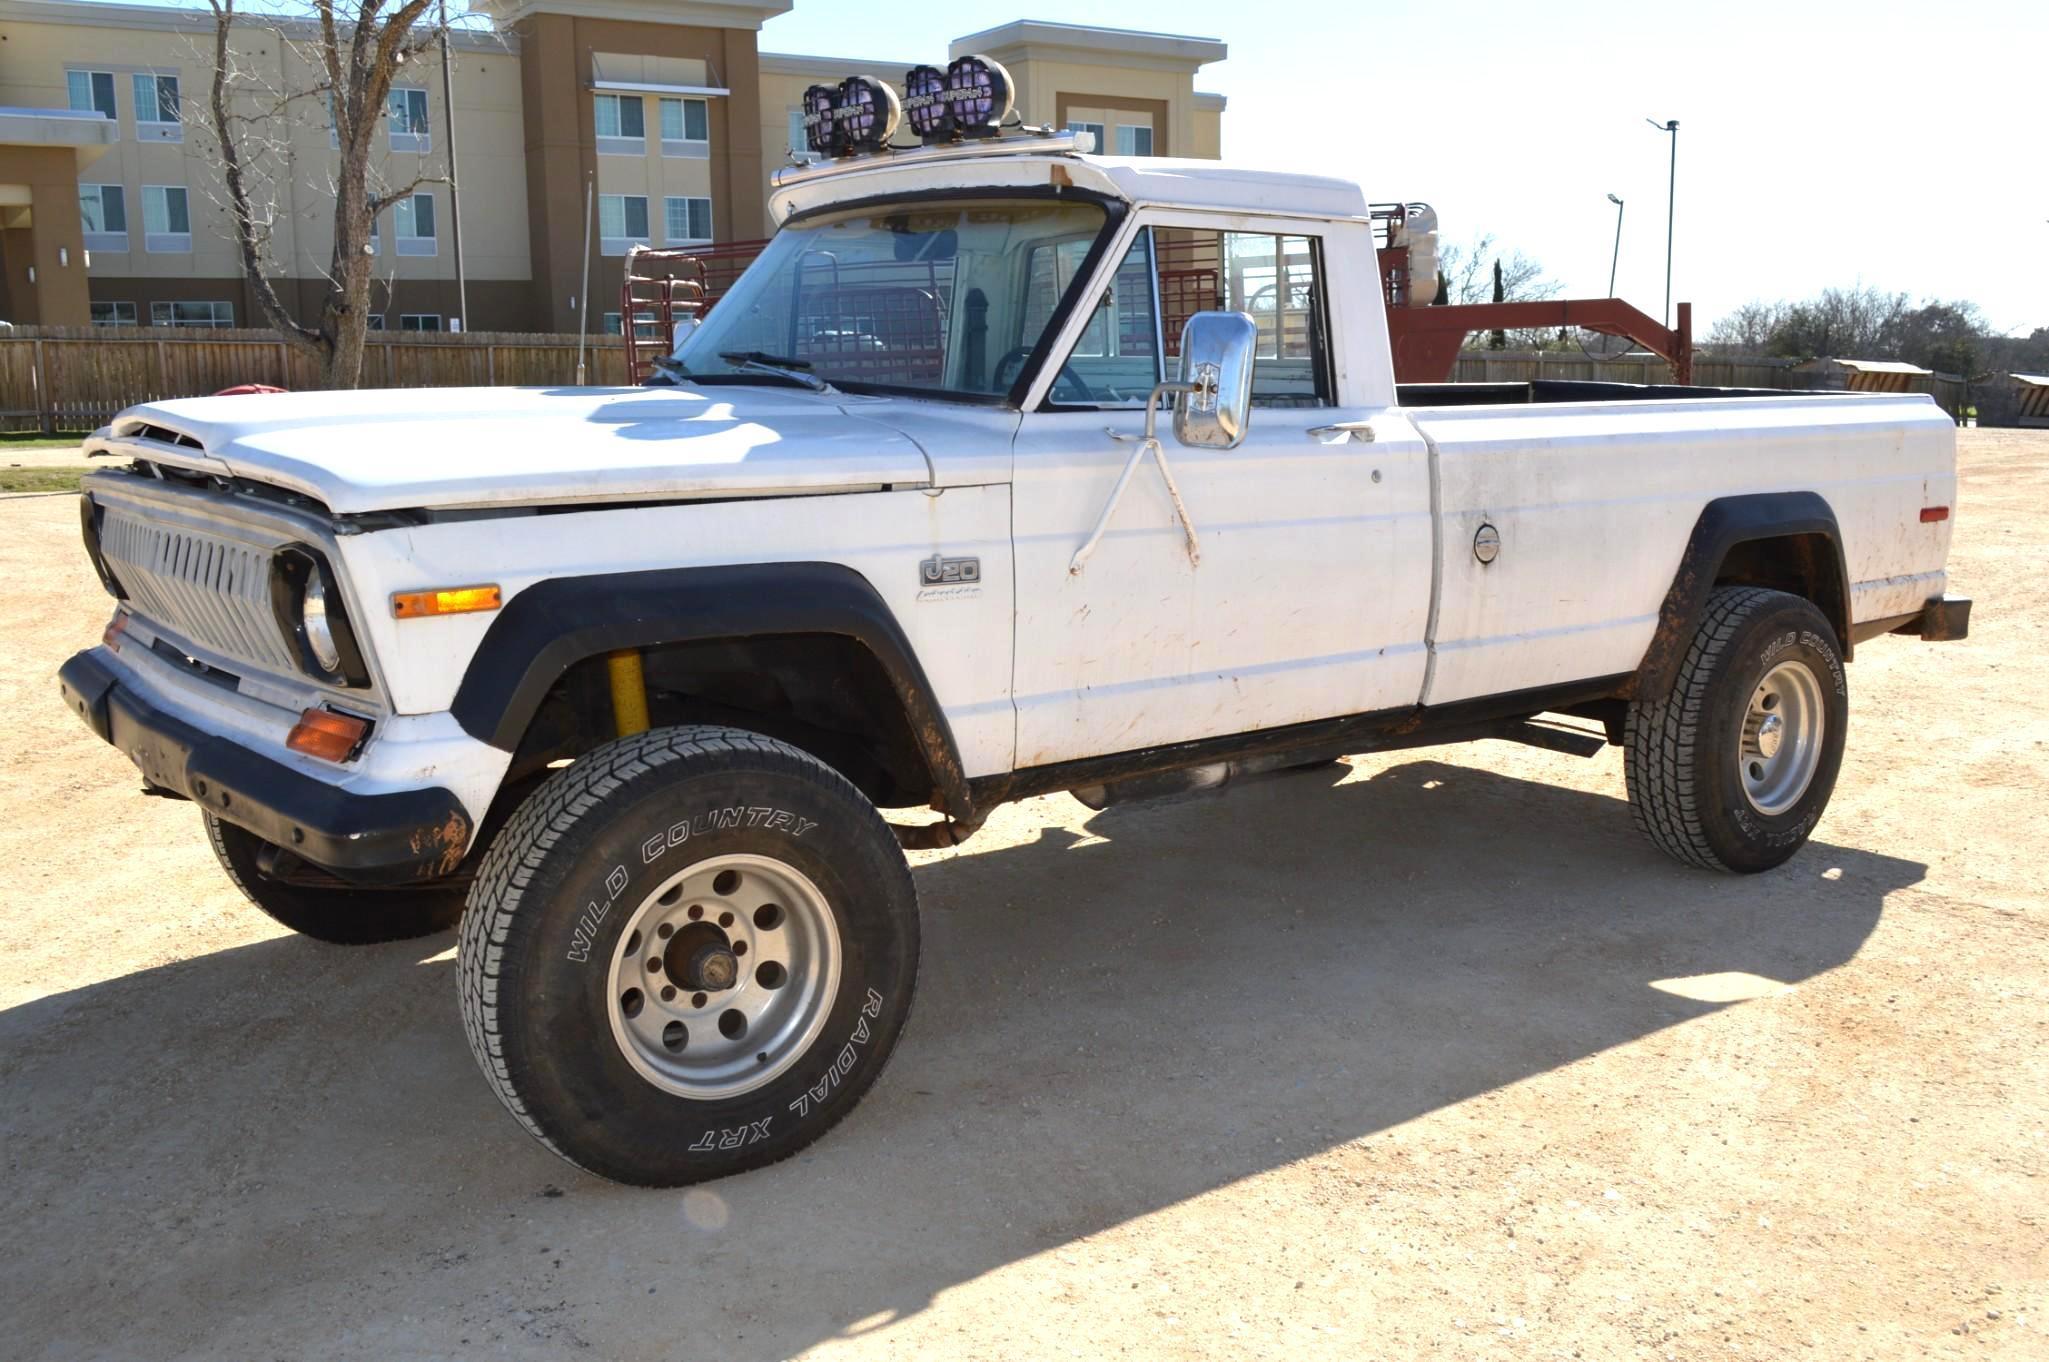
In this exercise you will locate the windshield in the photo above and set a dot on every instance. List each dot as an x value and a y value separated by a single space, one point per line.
940 298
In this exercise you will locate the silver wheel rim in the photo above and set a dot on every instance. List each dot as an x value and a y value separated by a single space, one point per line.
723 976
1780 746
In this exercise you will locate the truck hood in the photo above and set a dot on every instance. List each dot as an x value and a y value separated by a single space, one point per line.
444 447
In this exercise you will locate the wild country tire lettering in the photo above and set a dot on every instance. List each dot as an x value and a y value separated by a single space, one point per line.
1818 644
714 820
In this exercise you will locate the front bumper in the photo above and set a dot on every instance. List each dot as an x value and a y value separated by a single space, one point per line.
388 837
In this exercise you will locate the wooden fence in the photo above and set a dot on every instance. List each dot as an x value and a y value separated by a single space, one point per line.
56 378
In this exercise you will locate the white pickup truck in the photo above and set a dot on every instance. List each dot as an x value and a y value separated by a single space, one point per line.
621 678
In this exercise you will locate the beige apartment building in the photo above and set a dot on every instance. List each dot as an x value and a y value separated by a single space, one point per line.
666 111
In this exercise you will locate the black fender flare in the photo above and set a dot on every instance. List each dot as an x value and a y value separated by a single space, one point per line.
554 624
1724 523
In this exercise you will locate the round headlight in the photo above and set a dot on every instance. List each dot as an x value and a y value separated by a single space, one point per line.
313 618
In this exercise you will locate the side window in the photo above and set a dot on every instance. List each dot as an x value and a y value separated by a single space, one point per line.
1278 280
1116 361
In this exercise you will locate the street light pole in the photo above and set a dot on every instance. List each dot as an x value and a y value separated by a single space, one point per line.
1616 258
1670 125
462 287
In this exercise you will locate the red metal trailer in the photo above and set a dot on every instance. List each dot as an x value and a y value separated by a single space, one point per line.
665 286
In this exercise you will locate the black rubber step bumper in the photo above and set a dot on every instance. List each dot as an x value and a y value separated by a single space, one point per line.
371 838
1942 620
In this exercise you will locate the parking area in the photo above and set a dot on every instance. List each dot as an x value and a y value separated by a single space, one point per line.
1425 1055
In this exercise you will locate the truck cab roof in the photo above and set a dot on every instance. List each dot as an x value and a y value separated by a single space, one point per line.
1029 161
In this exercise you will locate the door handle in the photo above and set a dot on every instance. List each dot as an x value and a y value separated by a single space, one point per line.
1359 432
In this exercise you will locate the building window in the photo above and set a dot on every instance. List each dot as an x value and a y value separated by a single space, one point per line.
1134 139
414 217
686 128
1094 130
622 222
92 92
103 217
406 112
419 321
156 108
166 219
218 315
622 125
687 221
374 322
113 314
609 324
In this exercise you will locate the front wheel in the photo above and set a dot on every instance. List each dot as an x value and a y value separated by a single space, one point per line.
688 954
1732 770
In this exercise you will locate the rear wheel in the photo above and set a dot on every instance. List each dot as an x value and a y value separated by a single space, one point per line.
1733 769
688 954
337 913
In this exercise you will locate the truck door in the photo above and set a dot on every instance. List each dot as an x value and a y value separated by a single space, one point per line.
1312 591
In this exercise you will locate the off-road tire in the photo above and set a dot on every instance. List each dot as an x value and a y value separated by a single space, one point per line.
548 915
339 916
1681 752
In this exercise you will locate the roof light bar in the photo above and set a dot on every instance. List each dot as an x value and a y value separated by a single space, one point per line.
972 98
820 127
979 94
865 114
925 103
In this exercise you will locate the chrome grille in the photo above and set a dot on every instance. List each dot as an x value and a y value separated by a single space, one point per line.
213 590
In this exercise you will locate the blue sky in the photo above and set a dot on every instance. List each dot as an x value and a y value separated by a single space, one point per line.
1821 142
1900 145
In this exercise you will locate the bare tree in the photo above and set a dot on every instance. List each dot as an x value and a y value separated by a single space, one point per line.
1480 272
1844 323
1469 273
1863 323
1750 328
348 60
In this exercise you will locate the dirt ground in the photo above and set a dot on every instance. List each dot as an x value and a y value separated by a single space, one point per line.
62 456
1427 1056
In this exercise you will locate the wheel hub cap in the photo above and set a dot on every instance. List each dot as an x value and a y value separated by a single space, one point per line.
723 976
1780 747
714 968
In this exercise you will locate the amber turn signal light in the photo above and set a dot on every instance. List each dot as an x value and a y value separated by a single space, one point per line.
452 600
116 627
327 735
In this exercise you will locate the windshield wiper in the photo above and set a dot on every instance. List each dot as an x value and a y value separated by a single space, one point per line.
782 366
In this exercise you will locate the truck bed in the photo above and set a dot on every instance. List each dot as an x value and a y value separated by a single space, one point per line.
1567 390
1592 499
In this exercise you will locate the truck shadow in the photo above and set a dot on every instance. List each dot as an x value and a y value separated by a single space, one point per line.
1108 1024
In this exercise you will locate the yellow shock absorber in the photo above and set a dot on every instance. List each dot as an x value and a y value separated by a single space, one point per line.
629 692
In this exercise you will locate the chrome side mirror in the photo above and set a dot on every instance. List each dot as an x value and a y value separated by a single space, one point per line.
1213 400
